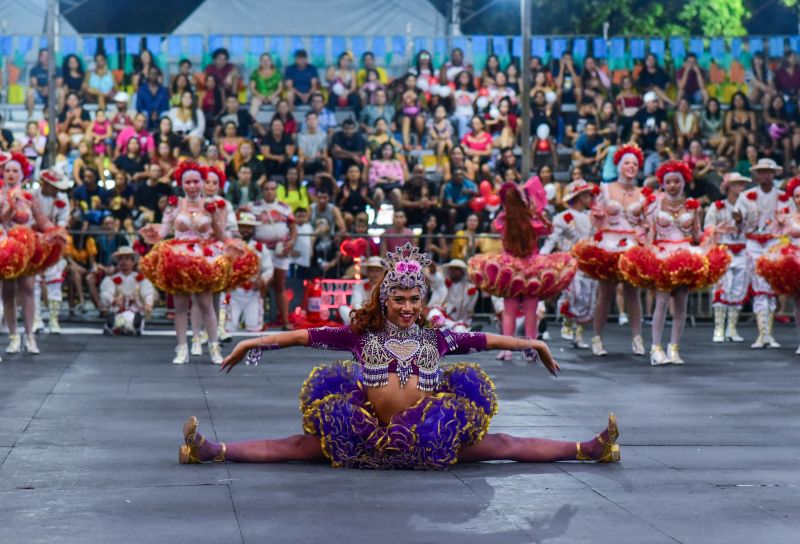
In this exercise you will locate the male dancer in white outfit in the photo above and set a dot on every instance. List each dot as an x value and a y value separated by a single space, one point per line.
577 302
127 296
246 301
456 310
755 212
731 290
55 205
362 290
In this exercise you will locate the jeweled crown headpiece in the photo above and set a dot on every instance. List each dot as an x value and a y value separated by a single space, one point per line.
404 270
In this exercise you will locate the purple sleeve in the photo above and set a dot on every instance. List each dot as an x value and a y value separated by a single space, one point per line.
460 343
333 338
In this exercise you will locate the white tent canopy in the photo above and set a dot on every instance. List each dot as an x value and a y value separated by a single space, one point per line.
28 17
314 17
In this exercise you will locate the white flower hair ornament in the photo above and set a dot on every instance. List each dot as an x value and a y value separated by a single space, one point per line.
404 270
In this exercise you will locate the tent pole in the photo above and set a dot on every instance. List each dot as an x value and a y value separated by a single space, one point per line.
525 101
52 17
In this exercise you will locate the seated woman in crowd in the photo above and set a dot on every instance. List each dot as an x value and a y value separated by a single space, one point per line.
167 161
381 135
284 112
266 84
99 87
431 240
488 76
386 174
740 124
86 158
478 143
165 134
131 161
229 141
459 159
356 195
187 119
464 100
654 78
141 67
72 75
712 126
341 79
440 135
686 127
779 125
292 192
180 84
502 124
278 148
212 102
72 124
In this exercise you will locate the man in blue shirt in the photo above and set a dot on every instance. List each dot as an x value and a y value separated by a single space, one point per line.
457 194
301 79
90 198
588 152
152 99
37 92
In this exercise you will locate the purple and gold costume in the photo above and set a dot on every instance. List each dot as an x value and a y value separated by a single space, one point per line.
429 434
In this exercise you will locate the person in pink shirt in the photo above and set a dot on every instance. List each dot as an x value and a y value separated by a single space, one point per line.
387 174
138 130
398 234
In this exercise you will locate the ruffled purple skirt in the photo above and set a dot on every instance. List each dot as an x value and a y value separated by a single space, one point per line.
426 436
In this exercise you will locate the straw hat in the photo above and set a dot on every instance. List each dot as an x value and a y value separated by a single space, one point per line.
373 262
56 179
124 251
121 96
456 263
767 164
575 188
731 178
248 219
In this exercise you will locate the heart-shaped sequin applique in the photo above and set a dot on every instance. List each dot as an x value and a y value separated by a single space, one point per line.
402 349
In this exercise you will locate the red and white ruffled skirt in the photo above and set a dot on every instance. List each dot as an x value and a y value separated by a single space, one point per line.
537 276
781 268
598 257
183 267
26 252
667 266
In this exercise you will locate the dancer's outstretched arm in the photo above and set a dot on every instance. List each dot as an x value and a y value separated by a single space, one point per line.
276 341
530 347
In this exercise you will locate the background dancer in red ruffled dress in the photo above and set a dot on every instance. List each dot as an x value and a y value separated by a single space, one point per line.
781 265
40 246
520 275
731 291
617 215
195 264
671 261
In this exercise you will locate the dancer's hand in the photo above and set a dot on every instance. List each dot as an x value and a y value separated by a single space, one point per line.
238 353
539 350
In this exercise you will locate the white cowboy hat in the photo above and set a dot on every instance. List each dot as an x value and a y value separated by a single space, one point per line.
767 164
456 263
56 179
121 96
373 262
575 188
730 178
248 219
124 251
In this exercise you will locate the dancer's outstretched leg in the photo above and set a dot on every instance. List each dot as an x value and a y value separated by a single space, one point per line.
199 449
504 447
530 306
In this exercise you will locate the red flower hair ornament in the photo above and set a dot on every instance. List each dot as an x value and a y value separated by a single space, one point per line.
24 163
624 150
189 166
674 167
791 187
217 172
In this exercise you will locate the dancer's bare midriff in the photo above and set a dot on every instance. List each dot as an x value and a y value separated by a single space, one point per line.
392 398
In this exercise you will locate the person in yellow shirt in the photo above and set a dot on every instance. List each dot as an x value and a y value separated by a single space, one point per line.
293 193
464 243
368 63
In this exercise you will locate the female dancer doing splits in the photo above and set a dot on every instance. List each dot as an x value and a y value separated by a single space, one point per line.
31 245
616 215
393 406
781 265
671 261
196 263
519 275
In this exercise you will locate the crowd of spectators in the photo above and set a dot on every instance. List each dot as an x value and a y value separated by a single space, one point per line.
347 141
